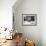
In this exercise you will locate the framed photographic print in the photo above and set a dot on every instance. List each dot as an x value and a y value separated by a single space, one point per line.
29 19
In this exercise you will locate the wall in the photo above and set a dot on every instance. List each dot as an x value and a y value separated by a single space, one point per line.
28 7
43 22
6 13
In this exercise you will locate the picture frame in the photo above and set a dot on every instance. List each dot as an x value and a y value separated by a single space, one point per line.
29 19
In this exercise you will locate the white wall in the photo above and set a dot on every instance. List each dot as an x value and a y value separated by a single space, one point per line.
6 13
40 29
28 7
43 22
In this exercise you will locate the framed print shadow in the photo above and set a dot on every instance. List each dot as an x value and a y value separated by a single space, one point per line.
29 19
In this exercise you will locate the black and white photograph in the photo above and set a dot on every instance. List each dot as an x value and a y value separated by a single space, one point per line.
29 19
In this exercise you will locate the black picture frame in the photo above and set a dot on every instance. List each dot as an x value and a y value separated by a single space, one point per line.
29 19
